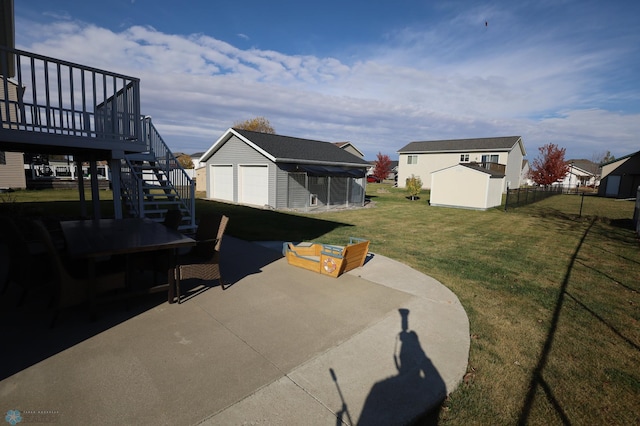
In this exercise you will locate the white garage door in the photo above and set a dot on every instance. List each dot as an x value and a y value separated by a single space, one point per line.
254 185
222 182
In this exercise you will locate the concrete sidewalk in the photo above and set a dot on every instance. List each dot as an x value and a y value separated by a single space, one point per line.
283 345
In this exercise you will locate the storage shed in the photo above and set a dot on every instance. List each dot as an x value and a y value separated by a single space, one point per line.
466 186
283 172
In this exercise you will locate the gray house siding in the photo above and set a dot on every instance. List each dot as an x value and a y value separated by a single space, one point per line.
250 167
237 153
282 188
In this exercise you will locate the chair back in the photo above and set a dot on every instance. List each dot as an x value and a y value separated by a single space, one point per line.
69 290
209 234
172 219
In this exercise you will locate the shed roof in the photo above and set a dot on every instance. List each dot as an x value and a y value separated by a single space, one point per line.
503 143
288 149
492 174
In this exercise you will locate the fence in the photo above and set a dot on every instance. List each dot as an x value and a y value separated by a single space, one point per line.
522 196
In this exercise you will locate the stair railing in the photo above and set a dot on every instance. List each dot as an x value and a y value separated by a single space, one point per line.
131 187
177 177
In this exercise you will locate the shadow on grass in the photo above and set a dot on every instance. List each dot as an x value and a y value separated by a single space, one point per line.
537 380
254 224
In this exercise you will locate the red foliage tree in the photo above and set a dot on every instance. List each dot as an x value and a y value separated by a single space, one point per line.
550 166
383 167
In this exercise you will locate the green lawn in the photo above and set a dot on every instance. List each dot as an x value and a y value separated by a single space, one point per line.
552 297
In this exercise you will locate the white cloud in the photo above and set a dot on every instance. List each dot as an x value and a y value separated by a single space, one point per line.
423 85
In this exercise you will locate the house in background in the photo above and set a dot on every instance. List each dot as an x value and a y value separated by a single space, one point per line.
621 177
283 172
393 169
579 176
525 179
12 171
200 171
467 186
11 163
500 155
349 147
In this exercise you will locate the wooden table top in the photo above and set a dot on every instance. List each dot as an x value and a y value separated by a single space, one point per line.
102 237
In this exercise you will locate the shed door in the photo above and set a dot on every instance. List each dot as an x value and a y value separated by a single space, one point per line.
613 186
222 182
254 185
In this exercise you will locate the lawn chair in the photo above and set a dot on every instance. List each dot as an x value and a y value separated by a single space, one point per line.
23 254
74 289
203 261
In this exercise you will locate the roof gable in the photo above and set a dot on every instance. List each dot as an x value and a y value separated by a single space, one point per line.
504 143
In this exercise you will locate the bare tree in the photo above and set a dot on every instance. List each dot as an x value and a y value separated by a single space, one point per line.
602 157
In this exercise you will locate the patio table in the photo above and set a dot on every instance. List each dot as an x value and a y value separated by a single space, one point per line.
93 239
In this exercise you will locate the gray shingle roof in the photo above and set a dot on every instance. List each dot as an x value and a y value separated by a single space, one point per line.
302 150
459 145
493 174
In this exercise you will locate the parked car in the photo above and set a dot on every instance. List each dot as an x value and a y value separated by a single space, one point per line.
372 178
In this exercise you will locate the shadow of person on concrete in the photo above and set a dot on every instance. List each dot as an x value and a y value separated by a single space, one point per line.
416 390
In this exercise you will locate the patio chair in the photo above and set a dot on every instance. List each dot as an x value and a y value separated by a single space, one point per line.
72 288
23 254
156 262
172 219
203 261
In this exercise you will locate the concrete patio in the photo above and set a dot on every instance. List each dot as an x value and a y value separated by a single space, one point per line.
382 344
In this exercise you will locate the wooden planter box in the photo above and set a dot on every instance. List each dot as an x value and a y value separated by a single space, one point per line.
327 259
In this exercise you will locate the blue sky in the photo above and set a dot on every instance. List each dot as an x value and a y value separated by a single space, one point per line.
377 73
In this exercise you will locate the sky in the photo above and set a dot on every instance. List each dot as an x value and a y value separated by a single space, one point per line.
379 74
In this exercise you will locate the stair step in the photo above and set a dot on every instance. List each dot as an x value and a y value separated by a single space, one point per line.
141 156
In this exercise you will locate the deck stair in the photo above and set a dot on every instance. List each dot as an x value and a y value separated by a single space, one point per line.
153 182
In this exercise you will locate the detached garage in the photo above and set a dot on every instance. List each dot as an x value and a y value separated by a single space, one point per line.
468 186
282 172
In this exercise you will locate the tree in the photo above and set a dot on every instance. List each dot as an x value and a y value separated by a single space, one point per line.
257 124
550 166
414 185
382 167
603 157
185 161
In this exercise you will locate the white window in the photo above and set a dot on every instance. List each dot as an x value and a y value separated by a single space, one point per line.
464 158
490 158
412 159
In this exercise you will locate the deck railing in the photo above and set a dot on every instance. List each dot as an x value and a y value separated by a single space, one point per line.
47 95
178 177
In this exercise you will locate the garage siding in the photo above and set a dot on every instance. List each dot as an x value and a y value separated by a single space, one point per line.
236 153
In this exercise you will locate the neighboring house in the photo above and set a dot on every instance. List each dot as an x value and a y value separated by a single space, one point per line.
621 177
283 172
577 177
11 163
349 147
12 170
393 169
200 171
525 179
502 155
196 160
467 186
